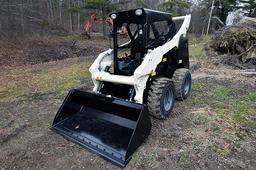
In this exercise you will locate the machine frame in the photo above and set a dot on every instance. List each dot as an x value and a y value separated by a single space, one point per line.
153 57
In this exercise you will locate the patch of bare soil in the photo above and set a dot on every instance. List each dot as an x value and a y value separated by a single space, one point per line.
221 73
40 49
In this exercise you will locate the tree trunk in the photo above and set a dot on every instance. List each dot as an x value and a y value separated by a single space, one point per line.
49 10
78 17
53 10
103 22
60 12
70 17
8 19
22 18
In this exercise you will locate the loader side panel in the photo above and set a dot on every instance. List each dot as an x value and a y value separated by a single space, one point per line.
169 64
174 59
183 52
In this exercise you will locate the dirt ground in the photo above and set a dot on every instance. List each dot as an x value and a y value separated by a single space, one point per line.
40 49
214 129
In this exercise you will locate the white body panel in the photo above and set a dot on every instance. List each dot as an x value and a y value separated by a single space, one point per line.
143 72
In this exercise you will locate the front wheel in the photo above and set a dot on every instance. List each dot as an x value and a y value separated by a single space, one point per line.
161 98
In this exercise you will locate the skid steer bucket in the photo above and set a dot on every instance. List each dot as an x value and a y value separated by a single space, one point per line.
111 127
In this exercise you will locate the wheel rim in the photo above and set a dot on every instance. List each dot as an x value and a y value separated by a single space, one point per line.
186 86
168 100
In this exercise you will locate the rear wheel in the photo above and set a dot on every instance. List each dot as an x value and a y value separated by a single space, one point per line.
182 81
161 98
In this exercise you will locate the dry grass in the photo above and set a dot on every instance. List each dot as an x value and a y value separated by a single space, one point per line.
21 82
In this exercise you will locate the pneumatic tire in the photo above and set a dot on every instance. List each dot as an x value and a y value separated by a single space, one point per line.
182 80
161 98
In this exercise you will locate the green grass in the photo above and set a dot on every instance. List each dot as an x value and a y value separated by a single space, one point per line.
233 105
237 105
195 39
222 110
49 80
198 91
148 154
12 92
197 86
136 158
196 46
249 167
219 109
243 111
222 94
63 79
224 152
196 51
151 157
183 158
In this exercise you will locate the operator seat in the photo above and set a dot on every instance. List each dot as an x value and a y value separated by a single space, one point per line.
129 65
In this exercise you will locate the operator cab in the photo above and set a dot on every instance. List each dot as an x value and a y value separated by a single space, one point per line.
135 32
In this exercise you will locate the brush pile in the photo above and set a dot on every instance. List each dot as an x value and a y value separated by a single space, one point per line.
237 44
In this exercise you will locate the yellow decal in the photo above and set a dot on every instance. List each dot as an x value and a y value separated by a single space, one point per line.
164 59
153 73
180 61
99 78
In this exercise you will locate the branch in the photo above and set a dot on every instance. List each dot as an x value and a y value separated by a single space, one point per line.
249 49
218 19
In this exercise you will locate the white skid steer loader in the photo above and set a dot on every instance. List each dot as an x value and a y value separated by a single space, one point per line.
144 73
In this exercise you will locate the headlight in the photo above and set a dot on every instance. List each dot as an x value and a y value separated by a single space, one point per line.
138 12
113 16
